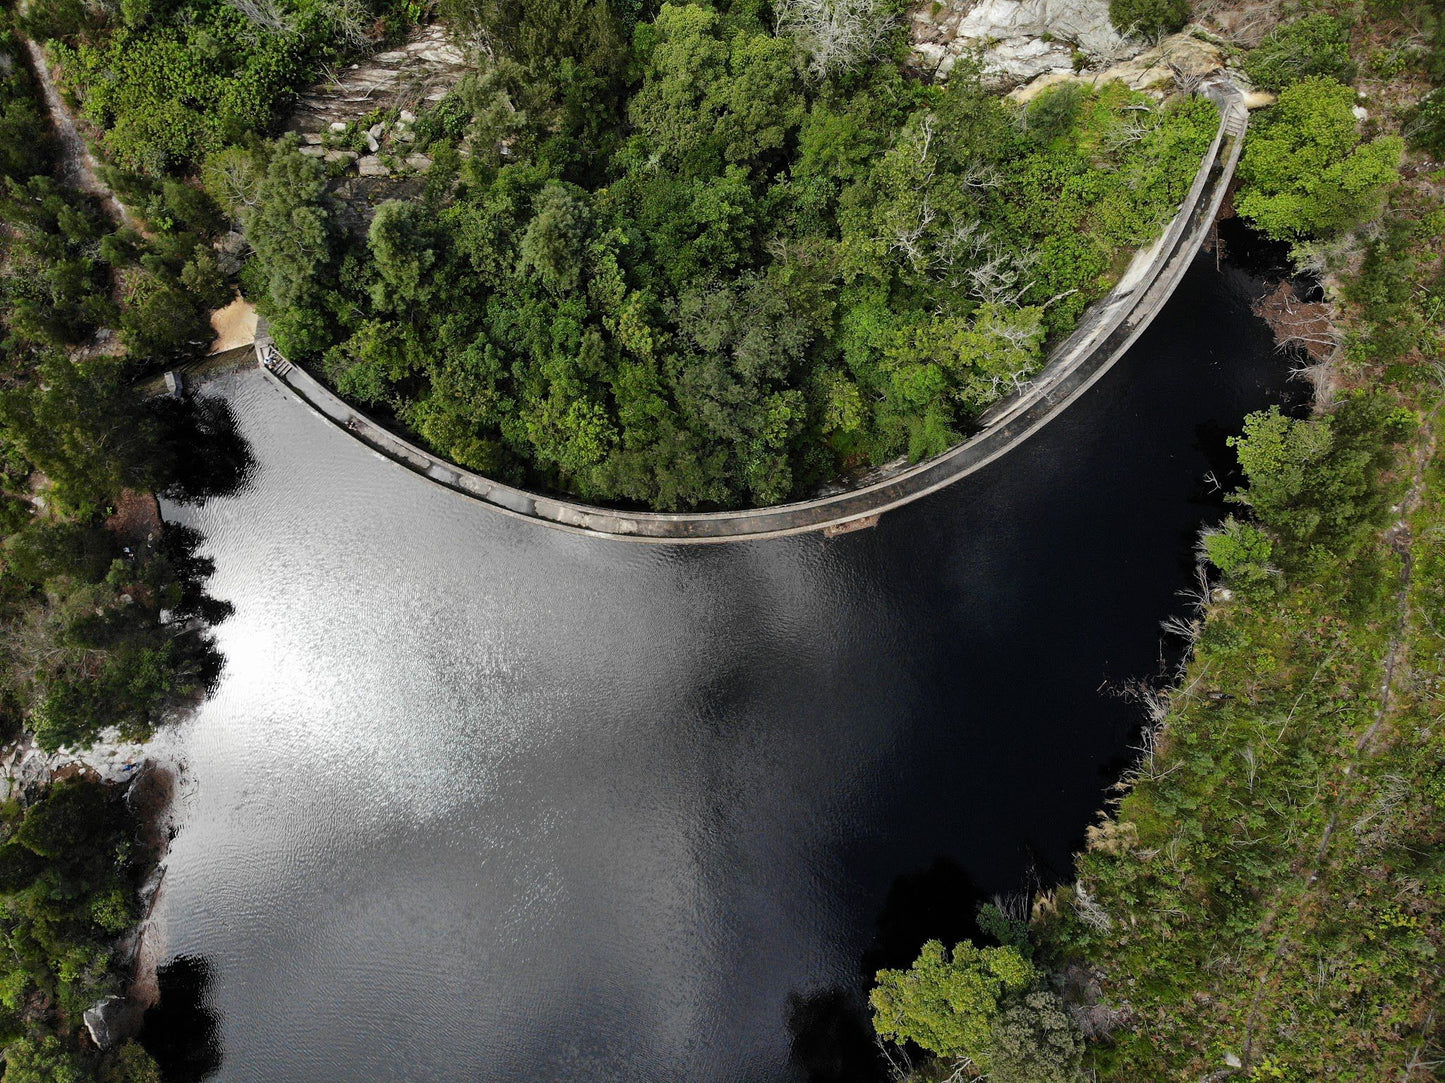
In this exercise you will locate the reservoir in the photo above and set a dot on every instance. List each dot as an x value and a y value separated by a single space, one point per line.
477 800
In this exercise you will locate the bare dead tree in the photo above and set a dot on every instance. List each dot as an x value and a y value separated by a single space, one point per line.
265 16
834 34
351 21
908 239
1091 912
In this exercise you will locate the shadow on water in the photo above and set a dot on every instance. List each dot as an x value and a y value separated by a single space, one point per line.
203 452
939 903
182 1032
832 1038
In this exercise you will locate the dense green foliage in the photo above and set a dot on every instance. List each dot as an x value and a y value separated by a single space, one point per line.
1280 847
948 1001
169 83
1317 44
67 891
84 648
1305 170
1149 17
749 280
1425 125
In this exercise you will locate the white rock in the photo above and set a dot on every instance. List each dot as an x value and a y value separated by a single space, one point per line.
341 156
371 143
311 138
407 116
1011 35
338 125
313 152
1361 113
419 162
443 54
371 166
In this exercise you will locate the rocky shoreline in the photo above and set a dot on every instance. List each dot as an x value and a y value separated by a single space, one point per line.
150 785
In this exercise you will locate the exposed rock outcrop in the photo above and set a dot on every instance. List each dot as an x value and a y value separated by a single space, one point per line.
110 1020
1176 60
424 69
1017 40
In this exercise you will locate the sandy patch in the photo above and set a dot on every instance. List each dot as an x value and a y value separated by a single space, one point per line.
235 325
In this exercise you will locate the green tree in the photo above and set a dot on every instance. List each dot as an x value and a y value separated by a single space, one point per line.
1278 454
289 227
76 422
554 245
1240 551
43 1060
1305 171
130 1063
404 252
946 1003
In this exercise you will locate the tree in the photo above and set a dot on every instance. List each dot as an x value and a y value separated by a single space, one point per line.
712 90
76 424
1034 1041
130 1063
1278 455
44 1060
1239 550
946 1003
554 245
289 226
1304 170
404 253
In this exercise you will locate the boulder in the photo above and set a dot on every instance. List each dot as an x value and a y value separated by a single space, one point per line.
419 162
341 156
371 166
106 1021
339 126
313 152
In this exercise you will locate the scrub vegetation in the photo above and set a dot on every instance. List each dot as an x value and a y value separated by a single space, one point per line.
1264 899
103 614
709 256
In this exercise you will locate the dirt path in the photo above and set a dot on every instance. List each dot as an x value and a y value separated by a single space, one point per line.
78 165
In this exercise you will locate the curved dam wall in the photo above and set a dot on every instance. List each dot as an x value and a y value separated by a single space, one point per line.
1105 332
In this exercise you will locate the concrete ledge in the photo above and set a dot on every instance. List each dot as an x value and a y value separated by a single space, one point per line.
1108 328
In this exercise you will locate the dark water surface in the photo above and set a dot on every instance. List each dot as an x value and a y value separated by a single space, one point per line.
476 800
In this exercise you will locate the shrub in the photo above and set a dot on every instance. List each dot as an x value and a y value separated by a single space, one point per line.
1425 124
1149 17
1034 1041
1305 171
1315 45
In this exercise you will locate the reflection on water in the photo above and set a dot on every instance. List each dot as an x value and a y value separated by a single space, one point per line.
476 800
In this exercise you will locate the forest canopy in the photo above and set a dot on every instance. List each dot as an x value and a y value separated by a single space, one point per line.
715 257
